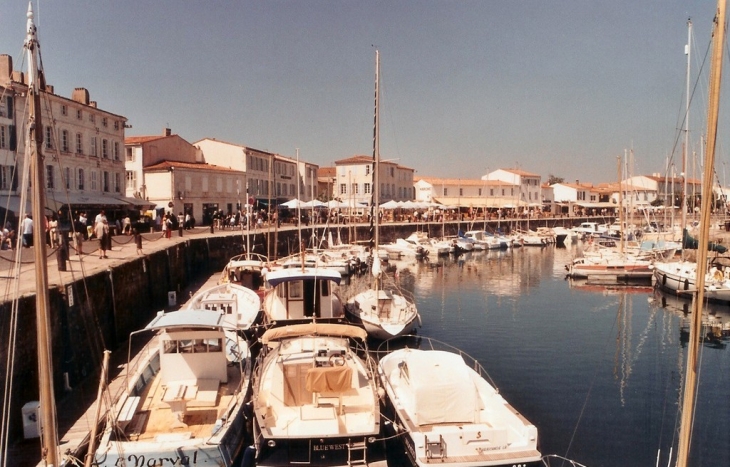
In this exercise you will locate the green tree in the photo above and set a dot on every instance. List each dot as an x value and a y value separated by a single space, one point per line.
553 179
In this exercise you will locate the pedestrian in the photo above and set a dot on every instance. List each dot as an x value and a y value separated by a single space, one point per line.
102 233
168 226
137 240
26 227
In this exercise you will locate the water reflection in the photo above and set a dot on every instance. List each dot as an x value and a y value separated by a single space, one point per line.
597 368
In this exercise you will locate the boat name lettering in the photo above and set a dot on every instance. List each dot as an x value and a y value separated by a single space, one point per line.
492 448
134 460
329 447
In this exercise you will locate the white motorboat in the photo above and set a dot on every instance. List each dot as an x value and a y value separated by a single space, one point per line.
302 294
486 241
246 270
315 398
240 305
447 412
621 266
680 277
434 247
185 395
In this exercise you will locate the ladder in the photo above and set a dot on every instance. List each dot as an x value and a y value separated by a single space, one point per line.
357 453
435 449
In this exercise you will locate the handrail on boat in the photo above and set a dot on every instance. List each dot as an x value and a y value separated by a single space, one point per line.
401 342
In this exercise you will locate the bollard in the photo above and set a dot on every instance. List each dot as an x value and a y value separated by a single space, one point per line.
62 253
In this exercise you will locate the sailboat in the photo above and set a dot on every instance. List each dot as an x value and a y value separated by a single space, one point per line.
34 166
384 313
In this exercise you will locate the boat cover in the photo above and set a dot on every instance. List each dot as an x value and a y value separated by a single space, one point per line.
309 329
278 276
332 379
443 391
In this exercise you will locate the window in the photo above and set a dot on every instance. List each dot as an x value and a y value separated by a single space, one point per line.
49 138
93 146
130 155
116 150
355 189
64 141
131 180
392 171
461 192
480 192
6 175
116 124
92 118
79 114
80 180
343 188
3 141
367 169
105 182
49 177
64 110
93 180
446 192
117 182
295 290
105 148
366 188
67 176
79 144
104 122
502 191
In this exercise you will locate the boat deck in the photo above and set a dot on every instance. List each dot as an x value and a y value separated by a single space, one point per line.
153 413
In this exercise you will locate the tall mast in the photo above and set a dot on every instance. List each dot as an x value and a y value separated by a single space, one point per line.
685 152
692 370
374 205
34 142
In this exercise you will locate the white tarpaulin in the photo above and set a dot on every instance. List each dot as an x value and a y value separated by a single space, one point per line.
443 391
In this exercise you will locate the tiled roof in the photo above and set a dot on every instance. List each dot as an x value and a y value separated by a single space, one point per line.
521 172
435 181
142 139
165 165
361 159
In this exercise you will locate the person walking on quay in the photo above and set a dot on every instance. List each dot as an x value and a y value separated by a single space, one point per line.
102 233
168 226
137 240
27 228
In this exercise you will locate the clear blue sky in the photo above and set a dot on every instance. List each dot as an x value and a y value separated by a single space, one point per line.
467 86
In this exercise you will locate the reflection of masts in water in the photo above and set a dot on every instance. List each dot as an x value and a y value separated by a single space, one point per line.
622 357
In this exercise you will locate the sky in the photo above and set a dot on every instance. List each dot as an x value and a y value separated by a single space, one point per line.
467 87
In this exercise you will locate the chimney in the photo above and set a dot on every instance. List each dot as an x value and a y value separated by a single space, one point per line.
577 182
168 131
92 104
49 88
6 69
80 95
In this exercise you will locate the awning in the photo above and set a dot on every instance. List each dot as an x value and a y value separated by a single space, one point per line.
136 202
12 203
480 202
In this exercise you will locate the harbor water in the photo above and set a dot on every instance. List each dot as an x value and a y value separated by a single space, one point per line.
597 369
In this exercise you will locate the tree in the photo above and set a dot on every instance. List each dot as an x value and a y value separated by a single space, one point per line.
553 179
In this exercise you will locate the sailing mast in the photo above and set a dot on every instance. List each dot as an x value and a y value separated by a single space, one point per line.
34 141
692 370
686 136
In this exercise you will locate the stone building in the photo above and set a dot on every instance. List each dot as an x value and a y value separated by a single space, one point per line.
82 146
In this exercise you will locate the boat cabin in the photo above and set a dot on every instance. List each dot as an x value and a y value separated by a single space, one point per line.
302 294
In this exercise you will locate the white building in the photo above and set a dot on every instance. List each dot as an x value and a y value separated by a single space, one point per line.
270 176
82 145
528 193
466 192
354 181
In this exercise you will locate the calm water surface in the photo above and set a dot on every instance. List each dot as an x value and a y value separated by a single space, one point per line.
597 370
